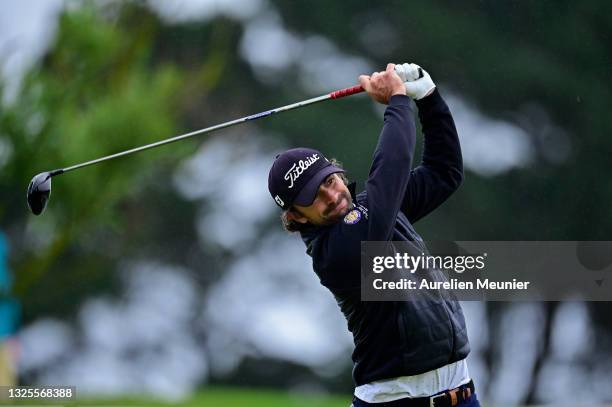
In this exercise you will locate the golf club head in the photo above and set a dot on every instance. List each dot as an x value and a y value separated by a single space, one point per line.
39 191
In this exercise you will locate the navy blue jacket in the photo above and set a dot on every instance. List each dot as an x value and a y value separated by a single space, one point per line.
404 338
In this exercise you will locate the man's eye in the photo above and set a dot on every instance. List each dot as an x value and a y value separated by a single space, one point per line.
330 181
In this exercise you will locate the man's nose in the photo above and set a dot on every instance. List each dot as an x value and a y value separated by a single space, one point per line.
328 196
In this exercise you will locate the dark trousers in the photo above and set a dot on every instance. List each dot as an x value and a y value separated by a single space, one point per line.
470 402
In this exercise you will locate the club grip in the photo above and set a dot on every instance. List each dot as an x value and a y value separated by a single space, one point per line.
346 92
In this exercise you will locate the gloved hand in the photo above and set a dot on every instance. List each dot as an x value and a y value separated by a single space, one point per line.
417 81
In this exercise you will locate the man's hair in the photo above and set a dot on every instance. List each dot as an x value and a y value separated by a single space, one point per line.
293 226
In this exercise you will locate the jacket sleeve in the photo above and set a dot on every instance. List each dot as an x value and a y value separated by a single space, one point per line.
441 170
388 179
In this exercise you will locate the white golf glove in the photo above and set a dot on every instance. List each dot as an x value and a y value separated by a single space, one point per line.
417 81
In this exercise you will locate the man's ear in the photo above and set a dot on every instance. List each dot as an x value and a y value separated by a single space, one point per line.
294 215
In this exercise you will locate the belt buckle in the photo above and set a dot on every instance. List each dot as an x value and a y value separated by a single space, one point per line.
432 399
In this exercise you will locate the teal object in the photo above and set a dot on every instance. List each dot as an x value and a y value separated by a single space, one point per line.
9 307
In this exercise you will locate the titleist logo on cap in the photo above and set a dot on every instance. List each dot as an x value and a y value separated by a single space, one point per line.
298 169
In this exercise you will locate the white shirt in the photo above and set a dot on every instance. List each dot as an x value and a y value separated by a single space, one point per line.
421 385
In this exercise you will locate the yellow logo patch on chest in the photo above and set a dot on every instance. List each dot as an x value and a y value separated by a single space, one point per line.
352 217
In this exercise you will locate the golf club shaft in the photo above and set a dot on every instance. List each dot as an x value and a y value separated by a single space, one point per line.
333 95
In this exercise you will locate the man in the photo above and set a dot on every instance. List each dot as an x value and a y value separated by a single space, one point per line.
407 353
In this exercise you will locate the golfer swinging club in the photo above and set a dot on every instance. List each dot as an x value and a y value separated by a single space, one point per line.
410 353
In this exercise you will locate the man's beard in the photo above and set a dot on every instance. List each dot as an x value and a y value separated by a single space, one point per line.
336 216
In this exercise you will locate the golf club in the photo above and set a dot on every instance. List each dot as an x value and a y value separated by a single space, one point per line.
39 189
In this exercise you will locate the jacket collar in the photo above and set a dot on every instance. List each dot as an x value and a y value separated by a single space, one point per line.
351 187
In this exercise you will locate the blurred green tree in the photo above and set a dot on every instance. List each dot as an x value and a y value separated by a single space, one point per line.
95 93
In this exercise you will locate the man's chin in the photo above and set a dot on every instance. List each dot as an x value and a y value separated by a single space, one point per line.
337 217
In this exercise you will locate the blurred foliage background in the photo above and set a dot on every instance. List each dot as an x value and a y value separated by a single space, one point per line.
528 82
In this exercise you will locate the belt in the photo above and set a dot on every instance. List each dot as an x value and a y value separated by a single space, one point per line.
448 398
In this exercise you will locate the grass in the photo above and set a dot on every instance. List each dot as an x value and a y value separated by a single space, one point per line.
213 397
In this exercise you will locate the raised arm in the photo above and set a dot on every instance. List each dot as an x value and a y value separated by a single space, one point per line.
441 170
390 171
